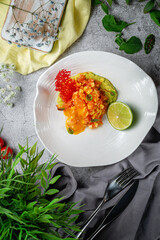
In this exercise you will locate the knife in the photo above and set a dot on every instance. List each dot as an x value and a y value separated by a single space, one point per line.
117 209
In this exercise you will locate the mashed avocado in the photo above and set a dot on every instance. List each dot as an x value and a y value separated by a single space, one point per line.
106 86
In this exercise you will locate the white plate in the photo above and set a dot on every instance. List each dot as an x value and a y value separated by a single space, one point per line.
104 145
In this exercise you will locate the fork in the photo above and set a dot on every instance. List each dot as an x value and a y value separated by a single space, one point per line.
114 187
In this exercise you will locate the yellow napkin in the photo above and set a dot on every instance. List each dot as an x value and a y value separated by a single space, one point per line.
26 60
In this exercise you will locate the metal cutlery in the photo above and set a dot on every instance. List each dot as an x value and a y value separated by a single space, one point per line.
114 187
116 210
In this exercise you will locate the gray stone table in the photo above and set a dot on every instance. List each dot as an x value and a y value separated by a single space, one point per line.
19 122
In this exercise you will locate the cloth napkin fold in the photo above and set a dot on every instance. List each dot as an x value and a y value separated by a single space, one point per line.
26 60
140 220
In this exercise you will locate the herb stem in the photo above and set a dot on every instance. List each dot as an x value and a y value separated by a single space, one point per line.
13 6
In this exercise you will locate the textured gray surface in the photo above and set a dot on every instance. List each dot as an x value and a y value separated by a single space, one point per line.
19 122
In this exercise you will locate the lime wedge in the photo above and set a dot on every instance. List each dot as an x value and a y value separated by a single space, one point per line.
119 115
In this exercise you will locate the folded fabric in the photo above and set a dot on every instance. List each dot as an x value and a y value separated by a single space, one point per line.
26 60
140 220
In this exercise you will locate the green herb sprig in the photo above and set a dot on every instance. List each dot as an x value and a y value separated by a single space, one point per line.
25 209
112 24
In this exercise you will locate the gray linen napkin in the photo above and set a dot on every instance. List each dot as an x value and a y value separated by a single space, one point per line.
141 219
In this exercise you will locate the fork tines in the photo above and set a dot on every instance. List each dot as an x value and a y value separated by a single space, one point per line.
126 177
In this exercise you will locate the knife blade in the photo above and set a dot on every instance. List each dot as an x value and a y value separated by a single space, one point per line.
117 209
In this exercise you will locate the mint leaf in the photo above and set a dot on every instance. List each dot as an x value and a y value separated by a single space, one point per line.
149 43
155 16
149 6
133 45
112 25
105 8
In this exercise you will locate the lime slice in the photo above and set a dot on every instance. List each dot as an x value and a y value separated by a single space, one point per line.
119 115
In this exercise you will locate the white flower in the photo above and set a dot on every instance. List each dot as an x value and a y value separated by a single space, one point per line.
9 87
10 104
6 79
12 94
18 88
2 90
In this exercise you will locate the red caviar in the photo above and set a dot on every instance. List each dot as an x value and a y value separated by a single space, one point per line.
65 85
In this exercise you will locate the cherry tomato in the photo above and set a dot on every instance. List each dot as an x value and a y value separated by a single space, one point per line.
9 152
1 142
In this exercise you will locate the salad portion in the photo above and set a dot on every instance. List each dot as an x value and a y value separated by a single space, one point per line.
84 99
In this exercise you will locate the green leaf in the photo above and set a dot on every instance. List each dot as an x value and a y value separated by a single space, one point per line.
24 161
36 210
20 147
70 130
75 211
149 6
112 25
34 194
69 233
54 201
56 225
149 43
133 45
96 2
4 190
45 218
43 182
155 16
44 174
52 191
50 166
31 205
109 2
35 160
33 149
128 1
74 228
73 219
20 153
54 179
105 8
119 40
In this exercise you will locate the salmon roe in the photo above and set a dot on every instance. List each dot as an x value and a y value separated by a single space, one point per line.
65 85
86 107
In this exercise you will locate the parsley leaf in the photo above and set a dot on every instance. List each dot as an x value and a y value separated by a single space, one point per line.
112 25
155 16
133 45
